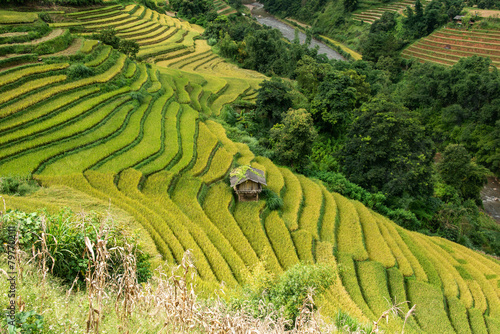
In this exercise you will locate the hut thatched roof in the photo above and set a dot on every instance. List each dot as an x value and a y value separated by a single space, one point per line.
245 173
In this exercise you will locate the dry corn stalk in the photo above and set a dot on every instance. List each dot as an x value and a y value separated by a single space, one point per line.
97 277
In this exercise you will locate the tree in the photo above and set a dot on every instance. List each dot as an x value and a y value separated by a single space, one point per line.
108 36
309 74
387 150
130 48
292 140
273 100
336 98
350 5
458 170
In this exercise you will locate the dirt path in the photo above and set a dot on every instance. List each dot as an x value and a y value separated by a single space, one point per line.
491 198
53 34
12 34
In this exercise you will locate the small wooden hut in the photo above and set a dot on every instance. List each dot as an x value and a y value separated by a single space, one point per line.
247 183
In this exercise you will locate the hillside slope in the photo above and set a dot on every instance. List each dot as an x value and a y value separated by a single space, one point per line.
136 134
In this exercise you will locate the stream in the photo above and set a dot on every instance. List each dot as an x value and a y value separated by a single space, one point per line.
491 198
267 19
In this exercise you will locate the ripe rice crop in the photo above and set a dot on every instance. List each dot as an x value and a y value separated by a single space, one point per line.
351 284
14 76
275 180
105 183
247 215
216 207
236 87
171 141
88 157
143 77
476 321
313 201
493 324
180 84
79 182
41 127
131 69
73 130
422 260
107 14
30 86
375 244
292 199
324 252
404 256
451 279
303 244
206 143
336 296
38 158
194 96
280 239
92 11
187 232
458 316
101 58
350 234
128 185
373 283
329 219
396 285
219 166
188 128
154 79
246 155
225 261
478 296
45 94
431 314
45 110
146 143
218 130
403 264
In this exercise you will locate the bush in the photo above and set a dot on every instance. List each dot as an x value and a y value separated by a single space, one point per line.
287 291
19 186
274 202
79 71
65 244
45 17
27 322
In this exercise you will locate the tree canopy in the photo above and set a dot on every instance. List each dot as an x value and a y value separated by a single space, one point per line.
387 150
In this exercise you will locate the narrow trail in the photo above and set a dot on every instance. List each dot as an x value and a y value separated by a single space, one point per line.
53 34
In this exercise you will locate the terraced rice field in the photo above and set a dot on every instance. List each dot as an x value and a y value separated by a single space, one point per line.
223 8
371 15
132 136
447 46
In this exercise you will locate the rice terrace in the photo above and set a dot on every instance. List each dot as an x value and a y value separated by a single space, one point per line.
141 136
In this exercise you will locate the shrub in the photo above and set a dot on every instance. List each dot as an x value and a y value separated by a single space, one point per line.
20 186
274 202
45 17
79 71
288 290
25 321
65 244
